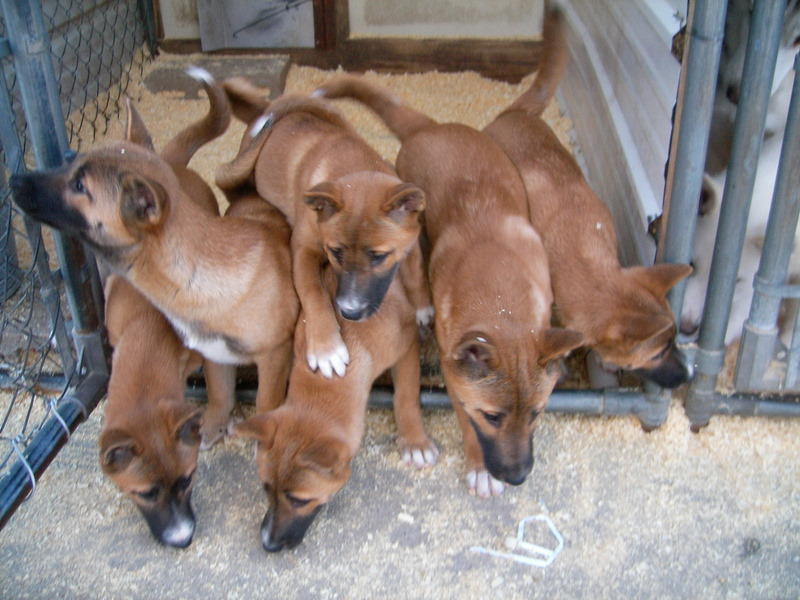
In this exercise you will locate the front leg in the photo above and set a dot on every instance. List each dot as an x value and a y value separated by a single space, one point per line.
415 446
479 481
325 348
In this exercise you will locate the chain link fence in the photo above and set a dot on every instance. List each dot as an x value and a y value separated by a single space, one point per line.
52 357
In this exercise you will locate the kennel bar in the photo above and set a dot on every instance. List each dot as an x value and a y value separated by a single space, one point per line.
703 399
760 330
706 26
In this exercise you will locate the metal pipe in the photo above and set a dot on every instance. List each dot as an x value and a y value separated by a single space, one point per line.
760 335
759 67
706 27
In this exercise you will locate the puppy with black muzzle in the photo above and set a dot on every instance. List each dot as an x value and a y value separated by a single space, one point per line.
490 285
346 207
306 445
151 434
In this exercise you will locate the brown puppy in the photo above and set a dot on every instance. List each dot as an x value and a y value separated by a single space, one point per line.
151 435
622 311
344 203
490 285
224 283
306 445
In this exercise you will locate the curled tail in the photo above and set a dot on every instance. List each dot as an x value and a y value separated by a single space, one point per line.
551 66
402 120
180 149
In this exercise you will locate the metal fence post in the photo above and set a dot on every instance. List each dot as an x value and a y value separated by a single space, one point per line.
759 67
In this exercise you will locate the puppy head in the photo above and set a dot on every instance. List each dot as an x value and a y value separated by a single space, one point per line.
111 197
301 467
638 335
153 463
368 223
503 387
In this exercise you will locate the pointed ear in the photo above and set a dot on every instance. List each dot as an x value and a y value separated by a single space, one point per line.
660 278
403 200
329 456
135 130
117 450
475 355
143 204
324 199
260 427
557 342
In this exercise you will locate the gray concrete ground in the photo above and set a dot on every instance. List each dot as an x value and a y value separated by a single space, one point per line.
668 514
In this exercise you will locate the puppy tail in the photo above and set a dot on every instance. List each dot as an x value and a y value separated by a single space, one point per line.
402 120
246 101
551 66
180 149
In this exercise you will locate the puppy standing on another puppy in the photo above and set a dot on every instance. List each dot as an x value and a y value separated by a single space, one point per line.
490 285
224 283
345 205
622 312
305 446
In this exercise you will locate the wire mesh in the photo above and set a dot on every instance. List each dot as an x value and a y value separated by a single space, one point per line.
98 48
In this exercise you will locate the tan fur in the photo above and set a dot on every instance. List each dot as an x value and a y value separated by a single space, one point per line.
622 311
490 285
150 437
306 445
344 203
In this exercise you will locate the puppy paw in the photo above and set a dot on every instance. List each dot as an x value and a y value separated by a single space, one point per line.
420 455
333 359
483 485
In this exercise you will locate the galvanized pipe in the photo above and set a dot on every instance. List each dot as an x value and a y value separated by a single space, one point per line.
757 347
759 67
706 27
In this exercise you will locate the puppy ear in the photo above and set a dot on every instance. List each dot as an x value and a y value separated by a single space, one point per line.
324 199
143 204
557 342
475 356
260 427
135 130
661 277
329 456
404 200
117 450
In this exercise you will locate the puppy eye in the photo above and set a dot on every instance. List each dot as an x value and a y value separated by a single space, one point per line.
494 419
297 502
376 258
534 415
77 185
338 254
150 495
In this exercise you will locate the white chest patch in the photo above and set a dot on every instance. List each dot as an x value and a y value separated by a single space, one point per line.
211 346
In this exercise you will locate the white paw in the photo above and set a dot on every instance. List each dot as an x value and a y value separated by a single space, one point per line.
483 485
421 458
425 316
333 362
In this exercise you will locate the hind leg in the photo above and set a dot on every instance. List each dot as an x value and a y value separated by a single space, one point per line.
220 389
273 376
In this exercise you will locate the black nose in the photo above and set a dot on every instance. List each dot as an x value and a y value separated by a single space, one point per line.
517 478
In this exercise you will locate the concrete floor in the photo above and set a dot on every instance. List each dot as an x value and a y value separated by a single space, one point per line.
668 514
